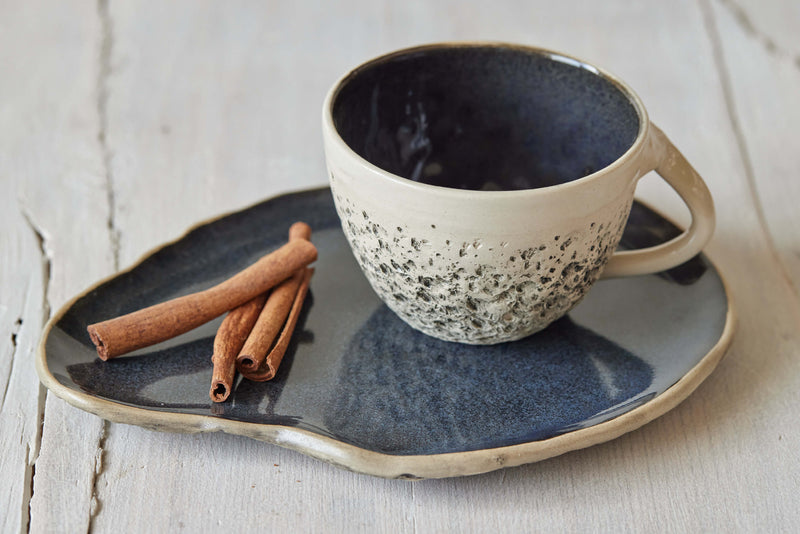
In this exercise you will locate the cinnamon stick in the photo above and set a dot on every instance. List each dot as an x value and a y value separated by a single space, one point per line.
227 344
274 314
299 230
268 324
174 317
269 367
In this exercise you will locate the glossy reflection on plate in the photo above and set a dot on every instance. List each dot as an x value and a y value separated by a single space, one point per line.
361 389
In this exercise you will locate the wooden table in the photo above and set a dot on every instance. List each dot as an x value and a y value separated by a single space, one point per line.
124 123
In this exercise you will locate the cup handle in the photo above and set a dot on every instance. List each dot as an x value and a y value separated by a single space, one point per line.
679 174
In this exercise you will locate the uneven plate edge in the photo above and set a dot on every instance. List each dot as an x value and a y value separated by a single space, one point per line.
353 458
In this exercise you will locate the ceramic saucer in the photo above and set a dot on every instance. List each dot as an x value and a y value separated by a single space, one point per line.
360 389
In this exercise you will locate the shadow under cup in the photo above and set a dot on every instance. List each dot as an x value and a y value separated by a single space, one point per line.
484 117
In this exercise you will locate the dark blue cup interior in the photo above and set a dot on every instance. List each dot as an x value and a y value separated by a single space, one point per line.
485 117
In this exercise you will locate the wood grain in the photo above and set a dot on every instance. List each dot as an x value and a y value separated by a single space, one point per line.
21 319
761 65
123 123
55 243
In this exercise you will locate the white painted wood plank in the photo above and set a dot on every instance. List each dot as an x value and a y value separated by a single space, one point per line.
22 273
760 47
53 176
212 107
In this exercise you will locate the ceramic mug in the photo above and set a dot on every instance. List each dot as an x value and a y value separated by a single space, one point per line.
484 187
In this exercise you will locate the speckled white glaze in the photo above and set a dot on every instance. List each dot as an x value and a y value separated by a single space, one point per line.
485 267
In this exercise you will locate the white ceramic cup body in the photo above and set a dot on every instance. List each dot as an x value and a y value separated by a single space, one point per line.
484 267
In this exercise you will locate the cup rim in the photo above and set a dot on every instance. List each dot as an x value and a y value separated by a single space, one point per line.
332 134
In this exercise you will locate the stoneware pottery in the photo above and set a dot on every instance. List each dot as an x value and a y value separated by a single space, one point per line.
362 390
484 188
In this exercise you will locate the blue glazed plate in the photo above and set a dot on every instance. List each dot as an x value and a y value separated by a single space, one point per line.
360 389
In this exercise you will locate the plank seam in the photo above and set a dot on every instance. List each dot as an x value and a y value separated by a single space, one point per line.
99 465
733 115
32 455
746 24
47 262
102 89
104 72
13 358
413 509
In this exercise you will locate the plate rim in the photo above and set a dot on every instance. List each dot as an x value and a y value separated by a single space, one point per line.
365 461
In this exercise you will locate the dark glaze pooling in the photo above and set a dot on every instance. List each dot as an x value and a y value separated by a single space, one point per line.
485 117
